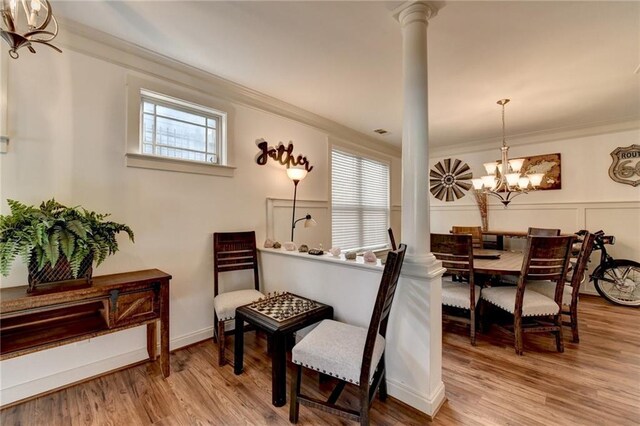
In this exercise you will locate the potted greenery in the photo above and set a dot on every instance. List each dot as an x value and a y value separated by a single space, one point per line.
57 242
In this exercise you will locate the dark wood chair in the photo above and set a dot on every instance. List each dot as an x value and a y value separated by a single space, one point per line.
456 254
474 231
392 239
570 291
545 258
232 251
539 232
543 232
354 355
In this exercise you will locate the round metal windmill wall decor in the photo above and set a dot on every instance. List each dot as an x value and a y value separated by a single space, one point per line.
449 178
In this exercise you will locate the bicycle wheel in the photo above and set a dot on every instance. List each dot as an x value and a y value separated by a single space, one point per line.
620 282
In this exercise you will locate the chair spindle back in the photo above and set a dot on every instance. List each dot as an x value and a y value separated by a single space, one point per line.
455 251
543 232
545 258
582 260
382 307
233 251
475 231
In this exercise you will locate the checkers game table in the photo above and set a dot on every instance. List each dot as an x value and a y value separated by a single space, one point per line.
279 316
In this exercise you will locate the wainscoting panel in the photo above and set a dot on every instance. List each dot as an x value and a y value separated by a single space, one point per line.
624 223
279 222
443 218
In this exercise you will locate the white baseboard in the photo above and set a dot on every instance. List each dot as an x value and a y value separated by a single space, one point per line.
83 372
429 405
191 338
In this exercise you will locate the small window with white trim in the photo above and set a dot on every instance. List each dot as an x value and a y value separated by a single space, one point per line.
181 130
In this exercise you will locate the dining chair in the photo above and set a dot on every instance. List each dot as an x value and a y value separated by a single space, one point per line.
392 239
354 355
456 254
543 232
570 291
232 251
540 232
475 231
545 258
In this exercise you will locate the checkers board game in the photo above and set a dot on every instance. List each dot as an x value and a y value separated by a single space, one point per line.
282 306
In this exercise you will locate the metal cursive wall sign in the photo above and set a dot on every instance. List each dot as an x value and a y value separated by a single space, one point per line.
283 155
626 165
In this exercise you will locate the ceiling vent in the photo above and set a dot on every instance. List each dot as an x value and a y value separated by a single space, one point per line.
381 131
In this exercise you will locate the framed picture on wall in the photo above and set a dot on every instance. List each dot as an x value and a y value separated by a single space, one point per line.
549 164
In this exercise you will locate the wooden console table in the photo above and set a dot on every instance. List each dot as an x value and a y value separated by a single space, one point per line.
43 320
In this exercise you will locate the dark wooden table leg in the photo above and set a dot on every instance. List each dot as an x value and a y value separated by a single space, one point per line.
499 242
238 352
278 370
164 330
152 340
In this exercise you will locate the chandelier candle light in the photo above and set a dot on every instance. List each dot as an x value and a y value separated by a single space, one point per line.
25 22
504 179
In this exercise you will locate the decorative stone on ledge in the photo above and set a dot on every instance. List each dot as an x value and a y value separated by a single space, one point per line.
358 263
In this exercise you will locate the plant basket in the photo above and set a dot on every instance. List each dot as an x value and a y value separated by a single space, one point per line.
61 274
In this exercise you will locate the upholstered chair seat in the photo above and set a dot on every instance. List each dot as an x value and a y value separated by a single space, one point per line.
456 294
533 304
225 304
335 348
548 288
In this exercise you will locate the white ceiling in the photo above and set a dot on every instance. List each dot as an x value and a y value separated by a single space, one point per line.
564 65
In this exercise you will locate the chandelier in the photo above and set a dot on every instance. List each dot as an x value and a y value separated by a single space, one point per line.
25 22
505 179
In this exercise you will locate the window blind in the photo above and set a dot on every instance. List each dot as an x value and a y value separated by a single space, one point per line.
359 202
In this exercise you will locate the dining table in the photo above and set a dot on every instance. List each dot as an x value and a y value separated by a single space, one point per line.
497 262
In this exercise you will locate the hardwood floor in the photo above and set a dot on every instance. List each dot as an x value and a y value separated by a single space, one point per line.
596 382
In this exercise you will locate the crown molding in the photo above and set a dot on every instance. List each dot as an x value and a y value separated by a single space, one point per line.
100 45
538 137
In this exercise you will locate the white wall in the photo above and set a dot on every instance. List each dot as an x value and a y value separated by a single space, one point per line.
67 127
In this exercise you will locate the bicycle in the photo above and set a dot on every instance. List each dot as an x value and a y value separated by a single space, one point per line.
617 280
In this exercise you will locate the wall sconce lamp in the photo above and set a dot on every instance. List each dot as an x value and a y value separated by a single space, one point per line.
296 175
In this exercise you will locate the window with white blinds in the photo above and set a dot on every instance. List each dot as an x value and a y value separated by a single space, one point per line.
359 202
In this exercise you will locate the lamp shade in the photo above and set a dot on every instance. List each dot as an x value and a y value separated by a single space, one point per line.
512 178
477 183
516 164
523 182
296 174
491 168
536 179
310 222
489 181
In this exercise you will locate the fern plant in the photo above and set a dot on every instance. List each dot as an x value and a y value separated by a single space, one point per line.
43 235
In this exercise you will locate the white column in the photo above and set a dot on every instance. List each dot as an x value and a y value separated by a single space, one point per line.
415 371
415 131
